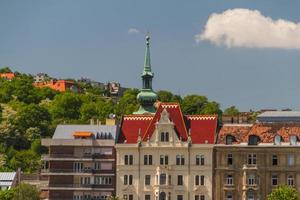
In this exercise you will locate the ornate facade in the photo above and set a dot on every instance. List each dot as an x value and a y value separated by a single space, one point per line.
163 154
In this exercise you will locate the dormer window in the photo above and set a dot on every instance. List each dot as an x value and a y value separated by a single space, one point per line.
277 140
230 139
293 140
164 136
253 140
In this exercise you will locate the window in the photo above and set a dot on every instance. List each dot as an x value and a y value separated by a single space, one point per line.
103 180
277 140
78 166
199 197
130 197
179 180
253 140
229 179
128 179
128 159
274 160
291 160
251 159
229 197
179 197
147 159
229 159
147 197
202 180
125 197
291 180
251 179
230 139
180 160
197 180
147 180
250 195
163 179
164 160
164 136
274 180
293 140
200 160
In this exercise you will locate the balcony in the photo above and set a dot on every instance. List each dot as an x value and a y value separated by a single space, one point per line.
78 186
251 187
250 167
84 157
52 171
229 186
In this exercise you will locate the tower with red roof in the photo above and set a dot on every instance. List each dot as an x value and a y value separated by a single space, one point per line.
162 153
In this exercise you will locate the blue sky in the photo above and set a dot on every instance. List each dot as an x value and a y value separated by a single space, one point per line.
77 38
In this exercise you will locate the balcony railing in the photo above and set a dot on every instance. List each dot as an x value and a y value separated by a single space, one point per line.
91 171
83 156
79 185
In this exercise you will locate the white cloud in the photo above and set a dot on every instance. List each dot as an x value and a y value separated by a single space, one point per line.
249 28
133 31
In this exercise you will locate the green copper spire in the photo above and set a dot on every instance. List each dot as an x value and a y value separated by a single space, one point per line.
147 97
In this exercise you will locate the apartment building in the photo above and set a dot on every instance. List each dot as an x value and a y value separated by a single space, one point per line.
253 159
81 162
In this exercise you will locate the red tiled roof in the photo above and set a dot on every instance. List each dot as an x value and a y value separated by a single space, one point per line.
239 131
202 127
265 131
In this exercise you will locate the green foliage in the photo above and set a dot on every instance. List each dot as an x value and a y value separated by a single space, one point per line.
128 103
27 160
232 111
66 106
7 194
33 117
166 96
5 69
26 192
283 192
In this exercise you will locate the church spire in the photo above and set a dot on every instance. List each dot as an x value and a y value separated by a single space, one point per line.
147 96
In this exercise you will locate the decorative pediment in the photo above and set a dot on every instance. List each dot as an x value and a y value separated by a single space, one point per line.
164 117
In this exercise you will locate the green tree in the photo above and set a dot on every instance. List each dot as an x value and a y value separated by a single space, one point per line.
66 106
166 96
32 116
232 111
27 160
24 91
193 104
7 194
5 69
26 192
283 192
211 108
88 111
127 103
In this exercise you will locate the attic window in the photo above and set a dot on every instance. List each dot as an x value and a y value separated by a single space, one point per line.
164 136
253 140
293 140
277 140
230 139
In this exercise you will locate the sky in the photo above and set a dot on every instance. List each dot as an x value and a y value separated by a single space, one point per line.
235 52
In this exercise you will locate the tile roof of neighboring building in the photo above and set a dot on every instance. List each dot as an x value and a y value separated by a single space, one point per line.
265 131
67 131
202 127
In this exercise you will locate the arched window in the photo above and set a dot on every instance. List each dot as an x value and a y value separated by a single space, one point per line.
291 180
230 139
253 140
293 140
277 140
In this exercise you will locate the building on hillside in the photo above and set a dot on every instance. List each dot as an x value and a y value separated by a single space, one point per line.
41 77
253 159
81 162
114 89
163 154
8 180
59 85
7 76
